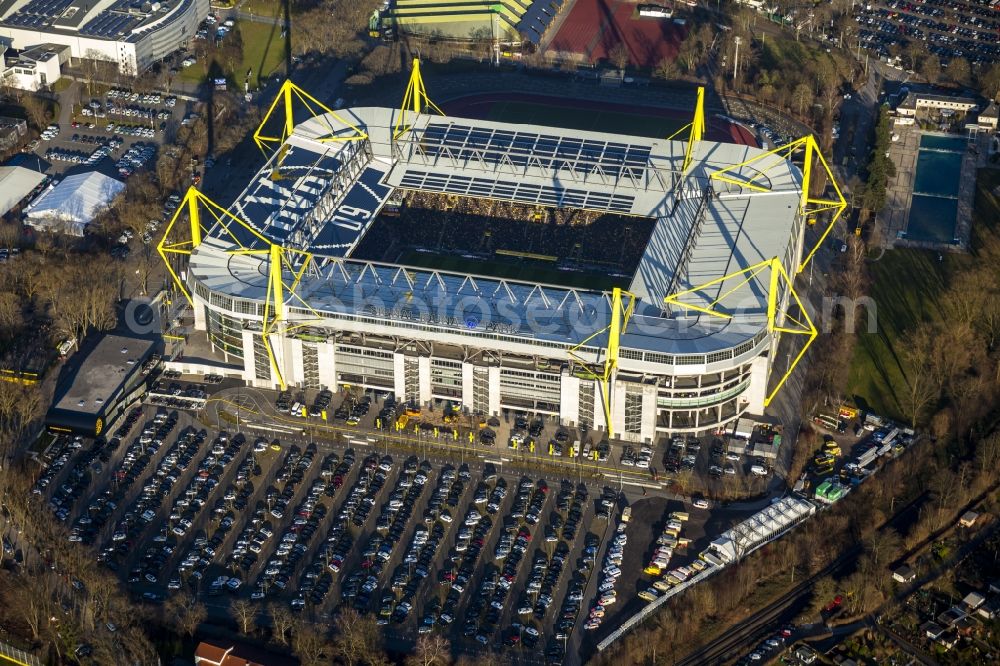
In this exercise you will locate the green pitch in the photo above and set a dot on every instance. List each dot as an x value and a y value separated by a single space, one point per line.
587 119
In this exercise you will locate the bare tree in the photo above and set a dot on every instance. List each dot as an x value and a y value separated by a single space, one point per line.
430 650
244 613
922 388
356 637
186 613
666 69
619 56
39 111
309 645
282 622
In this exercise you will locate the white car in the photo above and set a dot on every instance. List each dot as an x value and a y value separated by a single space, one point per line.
700 503
187 62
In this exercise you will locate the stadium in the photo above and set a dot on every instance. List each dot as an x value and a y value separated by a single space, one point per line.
631 285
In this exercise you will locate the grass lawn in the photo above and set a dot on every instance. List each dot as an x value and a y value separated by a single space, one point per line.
62 84
512 269
263 52
906 287
585 119
272 8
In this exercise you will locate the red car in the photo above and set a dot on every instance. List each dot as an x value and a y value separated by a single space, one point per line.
835 604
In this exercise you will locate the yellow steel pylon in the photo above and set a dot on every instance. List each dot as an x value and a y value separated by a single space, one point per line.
620 315
415 100
775 318
808 204
199 208
695 129
288 94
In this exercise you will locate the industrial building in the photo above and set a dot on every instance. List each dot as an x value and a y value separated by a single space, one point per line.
686 345
132 34
99 384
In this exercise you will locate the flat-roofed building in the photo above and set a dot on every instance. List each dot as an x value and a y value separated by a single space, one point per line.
99 384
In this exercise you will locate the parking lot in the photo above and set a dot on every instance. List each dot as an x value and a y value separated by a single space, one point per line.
121 126
950 28
424 540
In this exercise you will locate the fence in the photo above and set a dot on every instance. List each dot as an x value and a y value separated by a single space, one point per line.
11 654
651 607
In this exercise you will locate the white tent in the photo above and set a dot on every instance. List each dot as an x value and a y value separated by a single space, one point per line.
15 184
73 204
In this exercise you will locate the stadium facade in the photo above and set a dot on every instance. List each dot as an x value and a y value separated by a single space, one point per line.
687 347
133 34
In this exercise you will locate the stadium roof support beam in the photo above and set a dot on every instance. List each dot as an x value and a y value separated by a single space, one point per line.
809 205
288 94
620 315
695 129
777 319
199 209
415 100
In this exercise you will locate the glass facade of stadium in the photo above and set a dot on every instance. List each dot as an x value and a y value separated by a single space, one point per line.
654 394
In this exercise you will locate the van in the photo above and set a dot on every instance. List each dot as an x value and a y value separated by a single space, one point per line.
758 470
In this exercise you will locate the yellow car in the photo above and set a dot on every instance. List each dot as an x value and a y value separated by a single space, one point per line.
275 446
652 570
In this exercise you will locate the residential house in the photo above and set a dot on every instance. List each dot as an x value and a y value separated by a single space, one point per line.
972 601
904 574
968 519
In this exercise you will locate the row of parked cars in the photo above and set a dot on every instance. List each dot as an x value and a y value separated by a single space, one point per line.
135 158
611 567
123 95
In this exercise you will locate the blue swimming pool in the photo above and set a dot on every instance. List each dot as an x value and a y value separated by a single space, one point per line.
934 205
942 142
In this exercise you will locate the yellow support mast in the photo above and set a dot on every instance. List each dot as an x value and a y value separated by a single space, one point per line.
695 130
287 95
415 101
809 205
621 313
199 209
776 318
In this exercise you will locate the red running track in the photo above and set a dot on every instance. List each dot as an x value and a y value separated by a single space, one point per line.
481 106
594 27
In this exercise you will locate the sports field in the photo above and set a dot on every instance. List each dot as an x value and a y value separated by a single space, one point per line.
534 113
511 268
594 116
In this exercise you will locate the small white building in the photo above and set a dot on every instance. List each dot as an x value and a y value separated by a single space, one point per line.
72 204
35 67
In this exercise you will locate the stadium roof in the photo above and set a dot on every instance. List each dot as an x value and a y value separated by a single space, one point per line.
15 184
323 194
